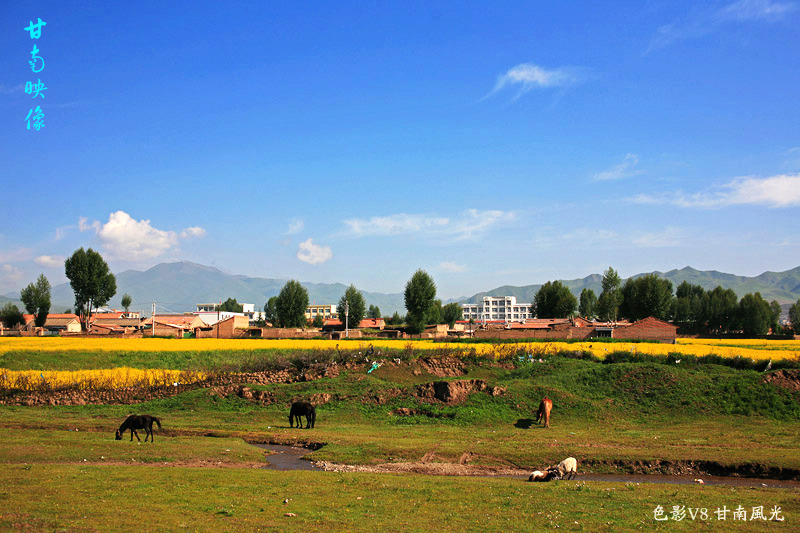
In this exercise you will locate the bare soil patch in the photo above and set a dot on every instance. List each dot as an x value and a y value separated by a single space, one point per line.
787 379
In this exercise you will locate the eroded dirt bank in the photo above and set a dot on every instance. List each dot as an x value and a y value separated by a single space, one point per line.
235 384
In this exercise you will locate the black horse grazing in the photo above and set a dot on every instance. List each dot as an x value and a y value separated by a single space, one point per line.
302 409
135 422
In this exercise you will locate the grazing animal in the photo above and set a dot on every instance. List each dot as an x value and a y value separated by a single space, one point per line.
135 422
541 476
545 406
566 469
302 409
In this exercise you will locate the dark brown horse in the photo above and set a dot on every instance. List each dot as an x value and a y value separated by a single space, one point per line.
135 422
302 409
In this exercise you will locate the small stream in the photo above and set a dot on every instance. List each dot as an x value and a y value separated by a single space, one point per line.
291 458
286 457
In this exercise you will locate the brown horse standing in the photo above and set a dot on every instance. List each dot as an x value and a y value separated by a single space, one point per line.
545 406
135 422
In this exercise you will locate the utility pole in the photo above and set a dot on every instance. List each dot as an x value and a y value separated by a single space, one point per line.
153 318
346 317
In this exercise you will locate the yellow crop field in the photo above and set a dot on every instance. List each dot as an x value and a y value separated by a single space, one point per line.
109 378
755 349
67 344
755 344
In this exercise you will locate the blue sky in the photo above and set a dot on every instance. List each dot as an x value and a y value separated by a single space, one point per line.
488 143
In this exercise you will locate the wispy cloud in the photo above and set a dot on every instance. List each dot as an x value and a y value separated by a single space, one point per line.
705 19
195 232
451 267
527 76
624 169
16 255
128 239
11 274
11 89
295 226
470 224
669 237
775 191
746 10
584 237
313 254
50 261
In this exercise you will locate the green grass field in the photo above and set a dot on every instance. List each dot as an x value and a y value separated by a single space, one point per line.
61 463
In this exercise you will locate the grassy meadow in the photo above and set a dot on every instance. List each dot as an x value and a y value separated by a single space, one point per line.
62 468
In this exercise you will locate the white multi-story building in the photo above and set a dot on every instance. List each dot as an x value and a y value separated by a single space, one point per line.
325 311
496 308
210 313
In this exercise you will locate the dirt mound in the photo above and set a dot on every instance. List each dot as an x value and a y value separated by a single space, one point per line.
456 391
787 379
223 385
442 366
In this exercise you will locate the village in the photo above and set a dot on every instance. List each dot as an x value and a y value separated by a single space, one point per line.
207 321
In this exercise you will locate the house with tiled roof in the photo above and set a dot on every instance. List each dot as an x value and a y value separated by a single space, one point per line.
55 323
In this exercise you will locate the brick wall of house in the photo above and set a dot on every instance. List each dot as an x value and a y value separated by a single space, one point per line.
647 329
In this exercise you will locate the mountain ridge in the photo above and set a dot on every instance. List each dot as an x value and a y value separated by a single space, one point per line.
179 286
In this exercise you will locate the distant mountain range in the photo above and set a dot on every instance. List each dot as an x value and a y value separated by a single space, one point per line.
180 286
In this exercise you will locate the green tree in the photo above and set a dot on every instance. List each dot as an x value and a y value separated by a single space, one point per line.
645 296
687 307
355 309
10 315
395 319
374 312
794 317
611 297
291 304
755 314
91 280
318 321
554 300
271 311
775 319
720 309
588 304
126 302
36 297
419 296
231 306
451 313
435 312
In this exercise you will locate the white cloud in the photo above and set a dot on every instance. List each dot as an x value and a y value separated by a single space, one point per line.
16 255
83 224
313 254
670 236
775 191
625 169
449 266
295 226
527 76
468 224
50 261
398 224
128 239
704 19
11 273
61 232
195 232
12 89
745 10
